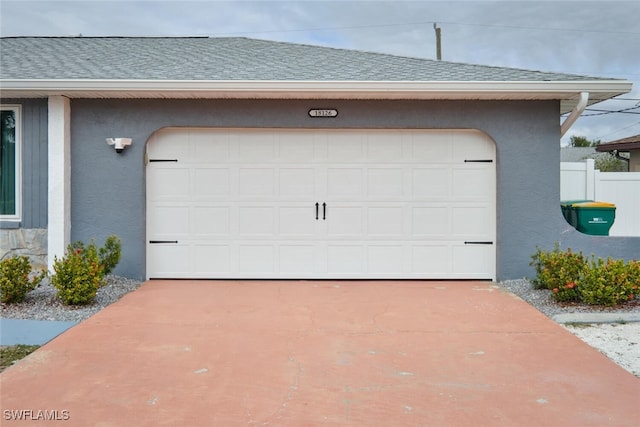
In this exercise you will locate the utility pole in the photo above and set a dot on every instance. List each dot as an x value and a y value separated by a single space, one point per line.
438 41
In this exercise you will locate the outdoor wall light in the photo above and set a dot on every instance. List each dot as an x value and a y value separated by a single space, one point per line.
119 143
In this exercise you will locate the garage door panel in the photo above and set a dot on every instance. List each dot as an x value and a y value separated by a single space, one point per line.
295 183
471 221
347 147
432 259
212 260
472 261
345 260
431 183
169 221
385 148
432 147
387 183
256 182
344 183
385 221
211 183
297 259
169 184
344 221
296 148
256 259
391 204
256 221
255 147
471 183
207 146
431 222
471 146
211 221
297 221
169 144
385 259
169 260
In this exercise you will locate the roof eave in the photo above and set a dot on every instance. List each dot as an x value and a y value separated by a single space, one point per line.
623 146
566 91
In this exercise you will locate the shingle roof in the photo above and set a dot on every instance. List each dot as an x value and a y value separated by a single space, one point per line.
203 58
624 144
577 154
629 139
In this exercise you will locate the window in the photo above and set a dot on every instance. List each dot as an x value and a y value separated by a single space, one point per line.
10 176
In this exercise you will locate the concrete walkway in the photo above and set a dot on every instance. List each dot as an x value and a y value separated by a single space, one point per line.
297 353
31 332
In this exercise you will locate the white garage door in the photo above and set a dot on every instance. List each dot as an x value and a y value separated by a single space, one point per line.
320 204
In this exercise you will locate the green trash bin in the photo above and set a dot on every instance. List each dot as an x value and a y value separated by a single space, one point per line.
566 206
595 218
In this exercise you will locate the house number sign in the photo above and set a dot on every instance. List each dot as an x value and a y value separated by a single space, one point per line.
323 113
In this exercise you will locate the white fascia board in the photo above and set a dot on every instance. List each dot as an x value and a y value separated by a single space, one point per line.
562 90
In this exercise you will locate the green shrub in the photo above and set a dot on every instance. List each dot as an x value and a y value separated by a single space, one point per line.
559 272
610 282
81 272
572 279
610 163
566 293
110 253
78 275
16 279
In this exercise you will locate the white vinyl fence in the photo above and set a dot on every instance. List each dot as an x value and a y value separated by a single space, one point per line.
582 181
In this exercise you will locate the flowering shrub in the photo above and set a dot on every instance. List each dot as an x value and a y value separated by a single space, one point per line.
610 282
16 279
572 279
81 272
559 272
566 293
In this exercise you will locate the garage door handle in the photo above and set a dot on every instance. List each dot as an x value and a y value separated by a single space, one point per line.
162 241
478 243
324 211
317 209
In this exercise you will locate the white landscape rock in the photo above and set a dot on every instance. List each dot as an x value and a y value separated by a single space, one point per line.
618 341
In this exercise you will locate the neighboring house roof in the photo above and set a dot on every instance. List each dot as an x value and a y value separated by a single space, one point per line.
213 67
624 144
577 154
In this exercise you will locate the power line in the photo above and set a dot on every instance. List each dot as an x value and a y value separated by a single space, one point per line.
618 130
603 112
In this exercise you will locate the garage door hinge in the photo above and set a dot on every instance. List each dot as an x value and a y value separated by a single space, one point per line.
479 161
478 243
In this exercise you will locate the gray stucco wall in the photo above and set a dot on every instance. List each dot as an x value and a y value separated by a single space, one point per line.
29 236
34 161
108 190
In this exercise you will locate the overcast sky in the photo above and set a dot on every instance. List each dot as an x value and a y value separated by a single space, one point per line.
596 38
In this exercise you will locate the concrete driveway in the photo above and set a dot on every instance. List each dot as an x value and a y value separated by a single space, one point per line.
306 353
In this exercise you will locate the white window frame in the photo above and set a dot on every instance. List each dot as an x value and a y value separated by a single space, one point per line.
17 216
